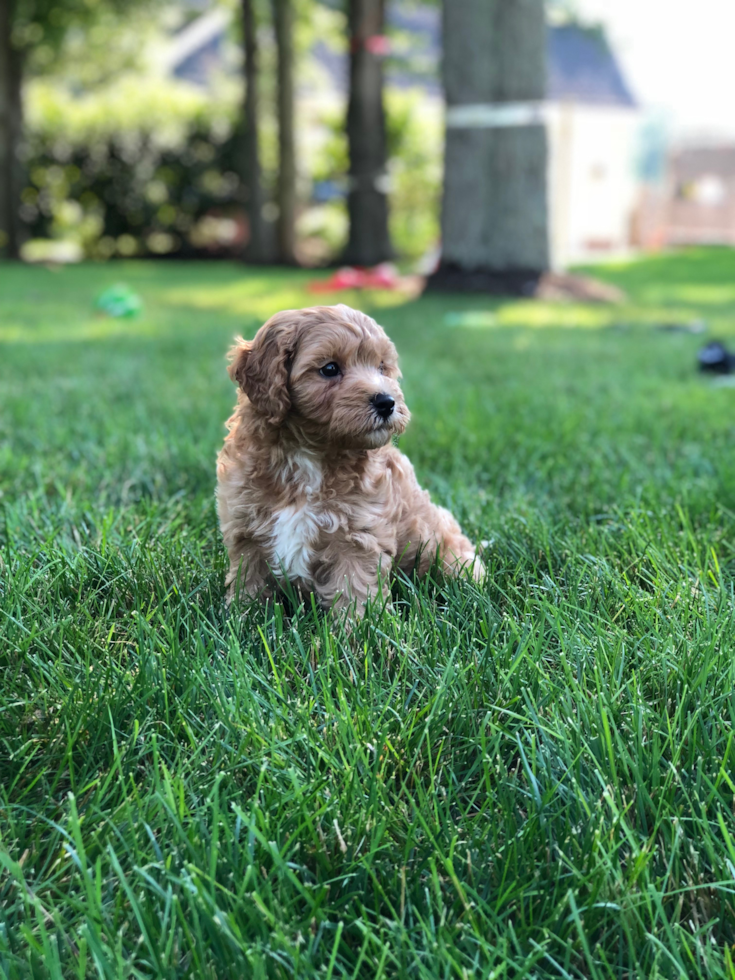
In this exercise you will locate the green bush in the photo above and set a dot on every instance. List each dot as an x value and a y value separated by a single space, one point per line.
135 168
415 150
150 167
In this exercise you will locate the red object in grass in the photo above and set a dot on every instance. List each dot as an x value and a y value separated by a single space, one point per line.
351 277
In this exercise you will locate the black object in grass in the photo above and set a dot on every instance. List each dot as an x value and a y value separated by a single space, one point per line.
715 357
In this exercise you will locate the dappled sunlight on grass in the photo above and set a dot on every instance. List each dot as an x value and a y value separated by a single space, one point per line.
41 305
669 271
528 313
533 315
705 295
690 295
99 328
255 297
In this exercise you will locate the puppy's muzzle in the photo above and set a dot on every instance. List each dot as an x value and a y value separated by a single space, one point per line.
383 405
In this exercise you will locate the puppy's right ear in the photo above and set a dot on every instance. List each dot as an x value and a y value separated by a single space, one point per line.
260 366
238 356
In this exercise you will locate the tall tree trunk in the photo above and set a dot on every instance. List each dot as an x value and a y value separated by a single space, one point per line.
367 203
256 248
494 213
11 132
286 189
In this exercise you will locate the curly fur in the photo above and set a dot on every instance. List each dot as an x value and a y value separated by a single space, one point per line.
309 487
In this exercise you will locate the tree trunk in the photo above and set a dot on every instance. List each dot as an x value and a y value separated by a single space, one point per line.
286 189
11 132
367 203
256 248
494 211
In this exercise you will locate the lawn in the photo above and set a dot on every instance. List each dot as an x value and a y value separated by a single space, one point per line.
532 779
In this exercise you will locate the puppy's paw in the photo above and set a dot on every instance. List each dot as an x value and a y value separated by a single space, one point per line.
468 564
478 570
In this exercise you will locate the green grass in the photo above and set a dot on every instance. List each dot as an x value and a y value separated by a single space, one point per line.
535 779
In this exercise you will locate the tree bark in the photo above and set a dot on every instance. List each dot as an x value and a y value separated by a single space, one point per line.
367 202
494 210
11 133
286 187
256 247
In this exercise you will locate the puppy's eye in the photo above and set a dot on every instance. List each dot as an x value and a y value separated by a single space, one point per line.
330 370
382 368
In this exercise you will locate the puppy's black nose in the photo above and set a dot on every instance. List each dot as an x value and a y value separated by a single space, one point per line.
383 404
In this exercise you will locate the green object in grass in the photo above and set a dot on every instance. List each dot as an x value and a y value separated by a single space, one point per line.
119 301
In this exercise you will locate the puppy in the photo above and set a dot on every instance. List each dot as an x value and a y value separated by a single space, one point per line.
309 487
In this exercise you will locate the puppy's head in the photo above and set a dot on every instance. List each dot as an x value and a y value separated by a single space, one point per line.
329 373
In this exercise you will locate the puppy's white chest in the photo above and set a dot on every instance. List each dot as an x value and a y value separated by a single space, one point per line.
303 470
295 532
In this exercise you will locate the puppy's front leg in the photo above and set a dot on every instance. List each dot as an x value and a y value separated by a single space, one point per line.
430 530
348 576
456 552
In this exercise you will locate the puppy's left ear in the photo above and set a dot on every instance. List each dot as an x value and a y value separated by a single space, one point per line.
261 366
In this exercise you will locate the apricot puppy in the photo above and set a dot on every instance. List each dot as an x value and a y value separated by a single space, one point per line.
309 487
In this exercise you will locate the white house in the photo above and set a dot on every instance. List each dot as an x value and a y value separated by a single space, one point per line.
593 124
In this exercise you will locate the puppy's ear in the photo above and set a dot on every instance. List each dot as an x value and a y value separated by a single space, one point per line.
261 367
238 356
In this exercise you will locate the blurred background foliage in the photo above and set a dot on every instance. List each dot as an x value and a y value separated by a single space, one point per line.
122 157
415 148
131 169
